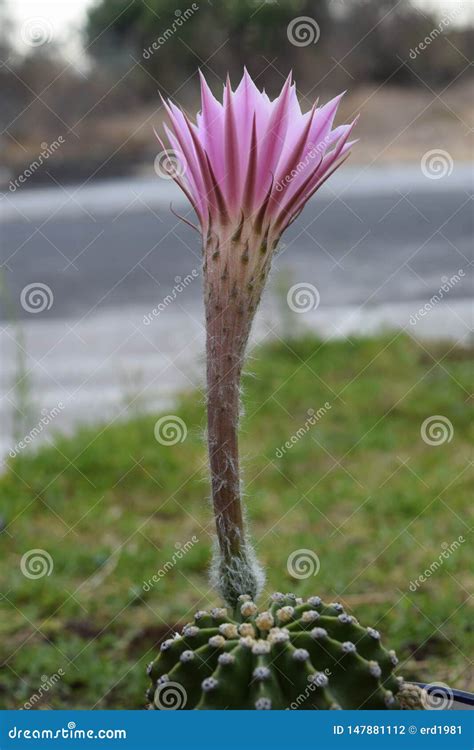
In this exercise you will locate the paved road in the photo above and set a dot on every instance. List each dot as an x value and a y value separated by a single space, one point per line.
376 244
367 243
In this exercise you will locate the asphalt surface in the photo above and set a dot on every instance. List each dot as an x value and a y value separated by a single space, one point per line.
382 246
377 245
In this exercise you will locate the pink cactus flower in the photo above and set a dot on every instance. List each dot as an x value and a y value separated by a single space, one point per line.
248 166
250 158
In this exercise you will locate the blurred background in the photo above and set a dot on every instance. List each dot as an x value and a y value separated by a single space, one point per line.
101 327
85 208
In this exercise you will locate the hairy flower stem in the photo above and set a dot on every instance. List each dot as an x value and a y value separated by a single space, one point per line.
248 166
223 378
232 291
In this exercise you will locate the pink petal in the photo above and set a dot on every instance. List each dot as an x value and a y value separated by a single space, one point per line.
244 106
271 144
249 158
231 153
211 127
249 186
323 122
320 139
309 187
186 147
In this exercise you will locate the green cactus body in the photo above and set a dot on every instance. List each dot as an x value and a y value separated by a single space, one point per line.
296 655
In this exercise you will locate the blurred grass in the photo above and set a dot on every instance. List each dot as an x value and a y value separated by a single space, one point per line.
361 489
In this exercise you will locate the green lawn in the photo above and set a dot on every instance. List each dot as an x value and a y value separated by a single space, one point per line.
360 488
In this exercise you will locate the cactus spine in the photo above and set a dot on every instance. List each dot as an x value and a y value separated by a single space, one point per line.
301 655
